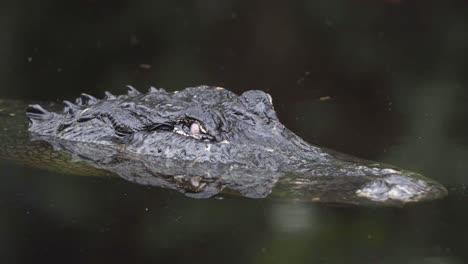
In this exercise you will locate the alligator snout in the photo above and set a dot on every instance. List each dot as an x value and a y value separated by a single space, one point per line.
402 187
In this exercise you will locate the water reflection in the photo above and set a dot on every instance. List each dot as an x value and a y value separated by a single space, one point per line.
293 218
358 185
396 73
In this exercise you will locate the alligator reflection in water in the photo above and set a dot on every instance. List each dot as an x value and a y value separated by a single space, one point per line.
204 180
217 140
195 179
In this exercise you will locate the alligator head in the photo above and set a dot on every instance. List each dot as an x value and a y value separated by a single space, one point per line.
210 125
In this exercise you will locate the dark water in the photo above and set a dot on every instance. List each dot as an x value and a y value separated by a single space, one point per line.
395 73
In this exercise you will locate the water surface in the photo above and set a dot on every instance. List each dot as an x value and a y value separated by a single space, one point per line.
381 80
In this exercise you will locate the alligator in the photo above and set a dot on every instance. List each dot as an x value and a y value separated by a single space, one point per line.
203 140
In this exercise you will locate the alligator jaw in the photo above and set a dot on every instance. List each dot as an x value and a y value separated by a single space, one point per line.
394 190
343 179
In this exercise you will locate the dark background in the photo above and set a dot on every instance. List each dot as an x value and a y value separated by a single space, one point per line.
392 68
396 75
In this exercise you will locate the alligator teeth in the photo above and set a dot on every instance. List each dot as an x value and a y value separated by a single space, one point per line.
132 91
109 96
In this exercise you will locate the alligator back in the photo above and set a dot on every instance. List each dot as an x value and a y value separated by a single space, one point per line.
16 146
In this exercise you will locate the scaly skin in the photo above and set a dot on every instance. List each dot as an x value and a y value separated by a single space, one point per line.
16 146
202 140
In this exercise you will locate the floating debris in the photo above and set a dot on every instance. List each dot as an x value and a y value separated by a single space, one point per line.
325 98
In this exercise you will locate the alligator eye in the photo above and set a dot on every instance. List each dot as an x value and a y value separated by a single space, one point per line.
195 129
192 128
